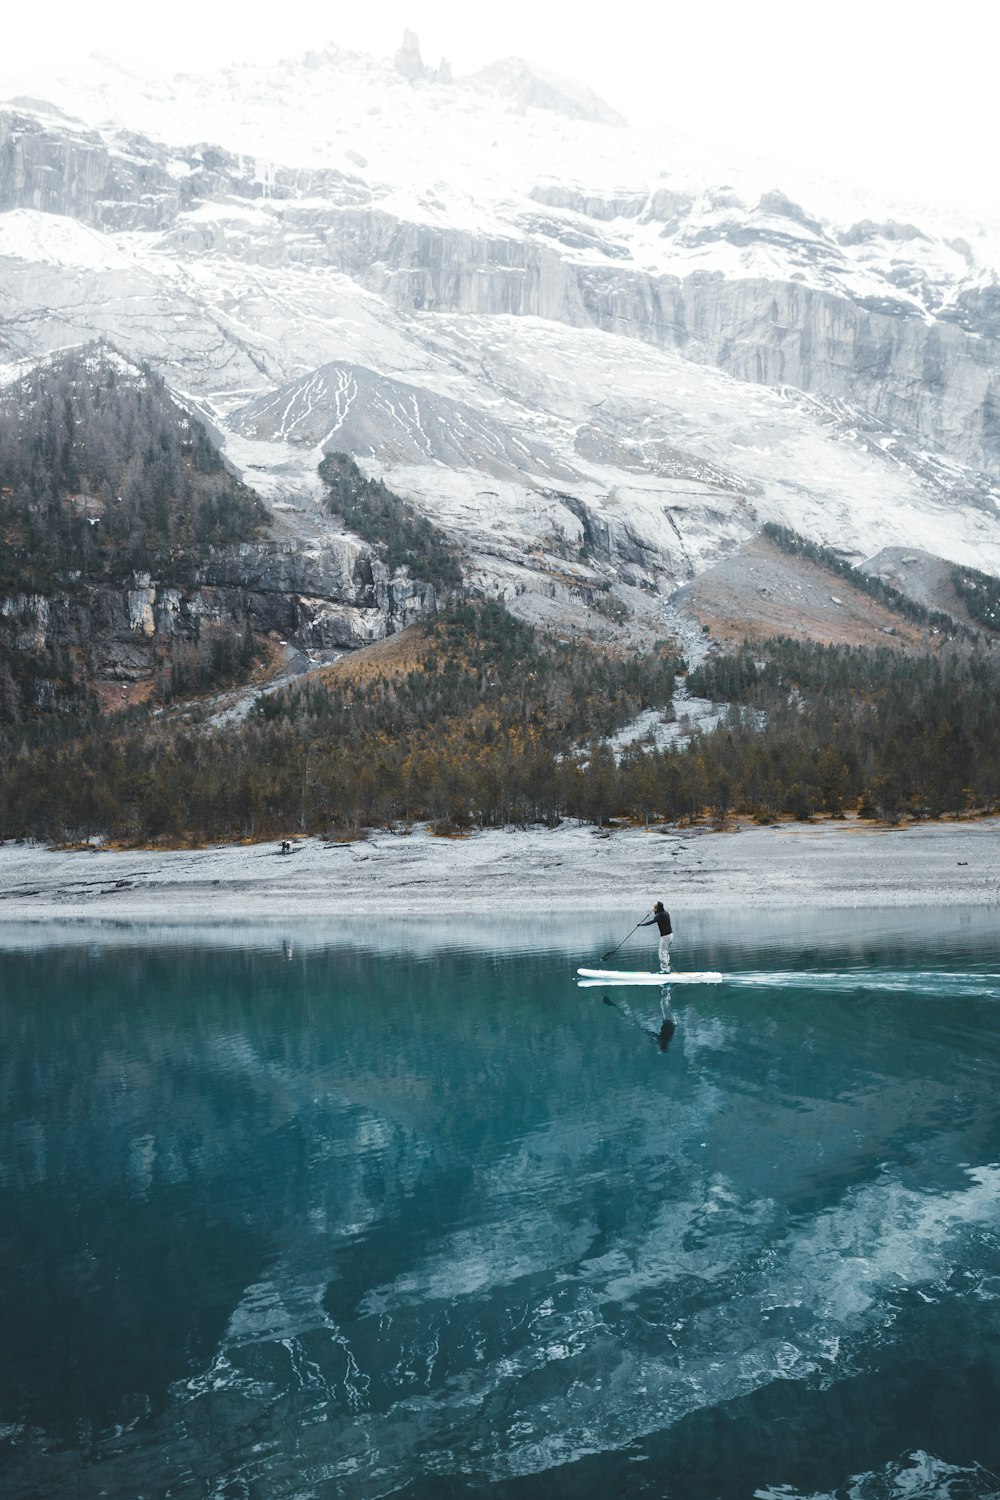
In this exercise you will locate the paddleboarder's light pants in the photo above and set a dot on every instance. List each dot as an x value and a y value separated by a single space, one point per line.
661 917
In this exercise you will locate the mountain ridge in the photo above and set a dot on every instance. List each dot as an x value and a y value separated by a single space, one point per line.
627 370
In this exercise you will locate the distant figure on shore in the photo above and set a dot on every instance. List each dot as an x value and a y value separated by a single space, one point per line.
286 847
662 919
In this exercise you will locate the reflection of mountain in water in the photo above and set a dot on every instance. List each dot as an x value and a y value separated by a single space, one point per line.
400 1220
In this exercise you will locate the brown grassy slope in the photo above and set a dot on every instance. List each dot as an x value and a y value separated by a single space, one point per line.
394 657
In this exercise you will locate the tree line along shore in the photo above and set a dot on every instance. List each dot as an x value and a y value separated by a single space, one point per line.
477 720
473 720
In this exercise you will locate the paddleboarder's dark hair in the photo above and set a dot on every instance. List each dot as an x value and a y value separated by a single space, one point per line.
657 905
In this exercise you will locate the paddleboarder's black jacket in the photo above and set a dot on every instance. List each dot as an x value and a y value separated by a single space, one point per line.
662 920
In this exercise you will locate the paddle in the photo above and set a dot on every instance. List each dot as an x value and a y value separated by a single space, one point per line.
625 939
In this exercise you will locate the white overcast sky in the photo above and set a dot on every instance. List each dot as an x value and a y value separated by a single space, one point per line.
897 95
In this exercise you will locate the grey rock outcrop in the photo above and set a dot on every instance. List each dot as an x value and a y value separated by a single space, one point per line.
528 88
591 205
926 377
337 596
69 170
409 63
130 182
331 594
408 59
936 377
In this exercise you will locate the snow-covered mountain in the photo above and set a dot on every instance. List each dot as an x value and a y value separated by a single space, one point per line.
587 356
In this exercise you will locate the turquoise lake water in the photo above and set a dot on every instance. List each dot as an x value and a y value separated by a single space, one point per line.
352 1211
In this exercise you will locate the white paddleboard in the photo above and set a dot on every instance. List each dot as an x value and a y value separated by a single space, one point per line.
635 976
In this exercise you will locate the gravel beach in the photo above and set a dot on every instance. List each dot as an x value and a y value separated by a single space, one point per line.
837 864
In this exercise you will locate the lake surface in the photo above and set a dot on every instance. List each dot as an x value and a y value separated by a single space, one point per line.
358 1211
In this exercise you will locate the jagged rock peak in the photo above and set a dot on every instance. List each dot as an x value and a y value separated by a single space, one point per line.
408 59
525 86
411 65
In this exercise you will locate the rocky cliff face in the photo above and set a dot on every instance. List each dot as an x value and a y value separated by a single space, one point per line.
321 596
934 375
123 641
937 378
135 559
934 380
124 181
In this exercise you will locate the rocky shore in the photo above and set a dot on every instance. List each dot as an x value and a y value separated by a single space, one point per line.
837 865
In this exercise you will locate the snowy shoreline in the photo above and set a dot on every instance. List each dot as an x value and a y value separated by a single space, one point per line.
839 865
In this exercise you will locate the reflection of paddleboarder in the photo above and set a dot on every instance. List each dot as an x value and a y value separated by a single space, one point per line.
669 1025
662 919
662 1035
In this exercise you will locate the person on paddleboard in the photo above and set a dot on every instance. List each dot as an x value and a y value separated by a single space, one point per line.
662 919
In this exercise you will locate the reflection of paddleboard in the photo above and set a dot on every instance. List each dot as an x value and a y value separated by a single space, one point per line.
635 976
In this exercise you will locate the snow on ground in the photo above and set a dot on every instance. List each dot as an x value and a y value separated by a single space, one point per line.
51 239
851 497
676 462
575 867
657 729
543 382
416 146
